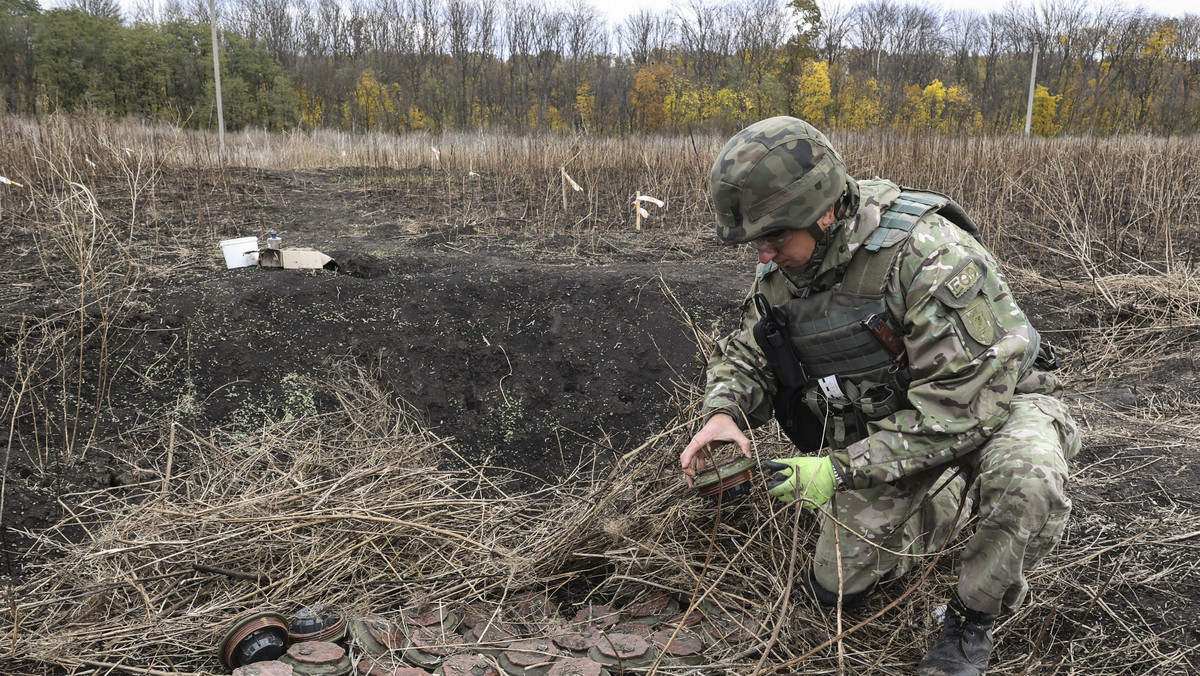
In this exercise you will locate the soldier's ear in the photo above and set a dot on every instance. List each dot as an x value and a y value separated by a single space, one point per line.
828 219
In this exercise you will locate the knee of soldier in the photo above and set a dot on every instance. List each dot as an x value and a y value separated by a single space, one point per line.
1025 492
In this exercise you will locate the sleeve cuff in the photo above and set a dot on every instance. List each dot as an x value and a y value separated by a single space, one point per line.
732 411
839 460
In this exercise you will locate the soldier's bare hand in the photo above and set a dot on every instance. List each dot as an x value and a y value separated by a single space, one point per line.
719 429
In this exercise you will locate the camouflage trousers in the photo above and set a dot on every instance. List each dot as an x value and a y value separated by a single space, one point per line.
1016 493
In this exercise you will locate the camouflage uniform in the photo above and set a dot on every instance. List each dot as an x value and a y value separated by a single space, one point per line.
974 402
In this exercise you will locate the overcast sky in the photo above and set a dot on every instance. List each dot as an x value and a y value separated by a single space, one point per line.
619 9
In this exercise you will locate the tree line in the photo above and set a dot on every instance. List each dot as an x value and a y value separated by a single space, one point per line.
403 65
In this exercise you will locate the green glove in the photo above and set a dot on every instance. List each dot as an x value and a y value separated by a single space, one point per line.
806 478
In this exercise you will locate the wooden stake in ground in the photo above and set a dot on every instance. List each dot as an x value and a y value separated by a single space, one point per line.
566 179
641 211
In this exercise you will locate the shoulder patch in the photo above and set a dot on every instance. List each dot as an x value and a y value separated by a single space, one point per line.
979 321
963 283
964 280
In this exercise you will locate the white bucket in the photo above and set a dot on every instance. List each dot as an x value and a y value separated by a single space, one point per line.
241 252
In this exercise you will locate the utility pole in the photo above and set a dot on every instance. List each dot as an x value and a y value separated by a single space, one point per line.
1032 86
212 14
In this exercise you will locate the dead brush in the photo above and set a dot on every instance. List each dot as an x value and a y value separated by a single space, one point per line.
351 509
94 268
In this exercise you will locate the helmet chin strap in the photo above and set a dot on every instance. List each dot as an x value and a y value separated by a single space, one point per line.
846 206
818 254
818 233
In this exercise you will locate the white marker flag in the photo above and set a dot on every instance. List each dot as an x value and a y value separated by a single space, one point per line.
643 212
571 181
437 154
6 181
90 163
653 200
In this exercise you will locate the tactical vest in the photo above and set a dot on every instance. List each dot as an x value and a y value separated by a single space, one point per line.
853 379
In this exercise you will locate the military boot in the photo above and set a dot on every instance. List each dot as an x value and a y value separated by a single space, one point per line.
964 645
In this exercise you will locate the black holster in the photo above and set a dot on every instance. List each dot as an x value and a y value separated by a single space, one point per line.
795 418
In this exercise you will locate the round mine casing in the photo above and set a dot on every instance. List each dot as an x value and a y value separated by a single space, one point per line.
529 658
729 481
266 668
428 647
467 665
433 616
623 650
317 623
577 642
578 666
386 665
653 610
258 636
597 617
375 635
317 658
685 649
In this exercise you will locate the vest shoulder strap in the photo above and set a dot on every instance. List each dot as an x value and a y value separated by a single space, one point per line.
868 271
945 207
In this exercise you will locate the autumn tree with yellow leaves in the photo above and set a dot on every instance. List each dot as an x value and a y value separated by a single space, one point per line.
409 65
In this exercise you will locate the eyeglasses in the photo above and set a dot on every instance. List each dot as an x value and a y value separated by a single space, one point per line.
772 242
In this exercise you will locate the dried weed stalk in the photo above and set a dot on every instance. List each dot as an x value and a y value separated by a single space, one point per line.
352 509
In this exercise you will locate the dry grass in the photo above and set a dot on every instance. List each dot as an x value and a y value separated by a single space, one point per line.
349 508
1122 203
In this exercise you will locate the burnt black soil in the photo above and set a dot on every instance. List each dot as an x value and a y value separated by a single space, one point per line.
529 353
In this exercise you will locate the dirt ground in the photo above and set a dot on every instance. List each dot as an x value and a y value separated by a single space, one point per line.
519 346
520 349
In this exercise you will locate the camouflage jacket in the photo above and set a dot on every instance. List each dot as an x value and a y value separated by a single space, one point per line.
960 388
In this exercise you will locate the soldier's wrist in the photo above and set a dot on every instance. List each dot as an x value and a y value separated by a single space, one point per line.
841 478
732 411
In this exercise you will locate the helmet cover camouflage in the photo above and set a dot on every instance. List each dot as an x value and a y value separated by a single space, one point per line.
776 174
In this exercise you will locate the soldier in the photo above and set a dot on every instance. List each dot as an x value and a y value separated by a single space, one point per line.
879 327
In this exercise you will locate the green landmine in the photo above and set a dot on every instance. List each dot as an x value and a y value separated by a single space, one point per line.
653 610
390 665
578 666
623 651
317 658
467 664
429 647
534 611
600 617
264 668
577 642
529 658
375 635
429 616
681 648
725 474
491 638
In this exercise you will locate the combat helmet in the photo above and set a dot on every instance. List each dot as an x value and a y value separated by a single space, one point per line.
777 174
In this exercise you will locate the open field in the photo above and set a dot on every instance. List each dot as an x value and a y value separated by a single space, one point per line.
489 397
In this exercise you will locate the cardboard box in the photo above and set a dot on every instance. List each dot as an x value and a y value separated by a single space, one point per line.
294 258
